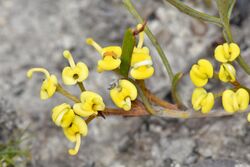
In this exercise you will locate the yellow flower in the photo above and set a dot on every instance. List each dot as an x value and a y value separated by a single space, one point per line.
76 72
227 52
63 115
74 132
90 104
141 61
202 100
123 94
248 117
227 73
49 85
110 56
235 101
201 72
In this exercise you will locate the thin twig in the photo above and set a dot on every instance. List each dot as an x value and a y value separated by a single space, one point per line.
65 93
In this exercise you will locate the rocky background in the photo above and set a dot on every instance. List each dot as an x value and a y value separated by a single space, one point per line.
34 33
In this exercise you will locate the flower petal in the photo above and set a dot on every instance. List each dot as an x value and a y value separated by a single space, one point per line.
234 50
115 49
142 72
206 67
68 76
219 54
207 103
242 98
78 109
82 70
228 100
108 63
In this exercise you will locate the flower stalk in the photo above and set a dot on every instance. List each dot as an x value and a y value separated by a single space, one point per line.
65 93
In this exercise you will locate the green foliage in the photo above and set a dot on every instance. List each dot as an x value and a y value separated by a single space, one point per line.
11 151
127 50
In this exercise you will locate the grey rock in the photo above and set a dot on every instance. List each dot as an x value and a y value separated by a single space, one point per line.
220 163
35 33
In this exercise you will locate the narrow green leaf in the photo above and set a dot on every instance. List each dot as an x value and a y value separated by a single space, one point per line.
230 10
223 7
127 50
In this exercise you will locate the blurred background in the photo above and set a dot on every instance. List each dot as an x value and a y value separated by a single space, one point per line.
34 33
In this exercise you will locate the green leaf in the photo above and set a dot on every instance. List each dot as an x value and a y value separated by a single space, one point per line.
223 7
127 50
230 10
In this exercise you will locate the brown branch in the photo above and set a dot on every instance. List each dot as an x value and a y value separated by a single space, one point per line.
137 109
153 98
159 101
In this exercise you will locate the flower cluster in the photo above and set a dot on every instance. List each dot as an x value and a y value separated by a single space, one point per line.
233 100
71 118
141 62
74 118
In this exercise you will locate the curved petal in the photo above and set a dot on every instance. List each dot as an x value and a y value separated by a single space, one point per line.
68 76
69 134
127 104
227 73
228 100
207 103
68 118
78 109
219 54
206 67
129 87
243 99
81 124
48 88
197 81
44 94
52 84
142 72
234 51
198 95
108 63
58 109
138 57
82 70
114 94
116 49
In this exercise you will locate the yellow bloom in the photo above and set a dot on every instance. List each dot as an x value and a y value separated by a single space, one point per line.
226 52
63 115
49 85
235 101
227 73
248 117
141 62
201 72
90 104
123 94
76 72
202 100
110 56
74 132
